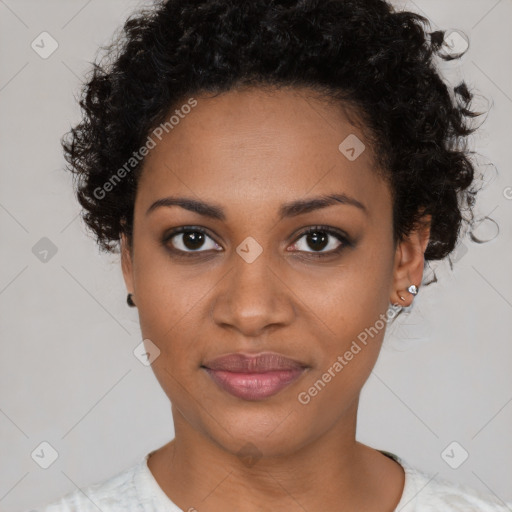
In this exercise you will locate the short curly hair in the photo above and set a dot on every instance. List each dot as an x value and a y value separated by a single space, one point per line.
363 54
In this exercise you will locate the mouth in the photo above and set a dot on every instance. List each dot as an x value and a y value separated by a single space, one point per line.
254 377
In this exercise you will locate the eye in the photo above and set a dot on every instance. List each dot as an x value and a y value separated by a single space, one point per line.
188 240
317 241
322 240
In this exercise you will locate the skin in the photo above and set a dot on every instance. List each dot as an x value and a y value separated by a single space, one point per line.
248 152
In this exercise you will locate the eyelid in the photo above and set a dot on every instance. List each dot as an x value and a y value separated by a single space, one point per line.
344 239
169 235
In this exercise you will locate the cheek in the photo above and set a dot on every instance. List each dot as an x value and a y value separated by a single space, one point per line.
349 315
350 345
169 298
166 291
346 357
352 296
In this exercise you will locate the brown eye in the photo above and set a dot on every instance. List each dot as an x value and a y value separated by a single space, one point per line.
189 240
192 240
317 240
321 240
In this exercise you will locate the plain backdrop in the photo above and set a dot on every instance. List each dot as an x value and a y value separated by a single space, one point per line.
68 374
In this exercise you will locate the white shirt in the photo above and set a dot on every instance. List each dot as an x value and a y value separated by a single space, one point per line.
136 490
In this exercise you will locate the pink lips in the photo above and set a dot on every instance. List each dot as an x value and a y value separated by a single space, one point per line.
254 377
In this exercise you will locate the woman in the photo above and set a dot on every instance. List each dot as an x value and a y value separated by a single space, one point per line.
277 175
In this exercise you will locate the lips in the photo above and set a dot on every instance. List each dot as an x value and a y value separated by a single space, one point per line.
254 377
255 363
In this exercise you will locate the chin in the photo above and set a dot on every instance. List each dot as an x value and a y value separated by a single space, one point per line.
267 433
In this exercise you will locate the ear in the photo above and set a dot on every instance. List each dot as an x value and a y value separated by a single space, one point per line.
409 262
127 263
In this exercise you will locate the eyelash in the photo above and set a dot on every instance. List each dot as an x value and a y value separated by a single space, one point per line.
338 234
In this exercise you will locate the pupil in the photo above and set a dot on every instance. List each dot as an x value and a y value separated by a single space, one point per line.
319 240
193 239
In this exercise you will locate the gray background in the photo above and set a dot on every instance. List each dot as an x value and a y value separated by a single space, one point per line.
68 375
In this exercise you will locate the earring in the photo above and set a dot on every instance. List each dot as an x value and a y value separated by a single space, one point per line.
413 290
129 300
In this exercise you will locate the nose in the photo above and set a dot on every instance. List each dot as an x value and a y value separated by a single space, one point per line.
253 298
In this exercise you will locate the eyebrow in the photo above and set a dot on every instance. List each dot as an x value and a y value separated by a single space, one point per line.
291 209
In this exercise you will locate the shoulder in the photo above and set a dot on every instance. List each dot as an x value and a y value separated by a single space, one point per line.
424 492
117 493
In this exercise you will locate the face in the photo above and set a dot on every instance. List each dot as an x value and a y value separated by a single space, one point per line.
236 271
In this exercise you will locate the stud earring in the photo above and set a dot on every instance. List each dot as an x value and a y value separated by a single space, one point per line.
129 300
413 290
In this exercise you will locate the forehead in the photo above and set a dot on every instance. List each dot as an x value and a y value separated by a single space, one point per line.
257 148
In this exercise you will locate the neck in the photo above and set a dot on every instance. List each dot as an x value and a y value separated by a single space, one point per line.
332 472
